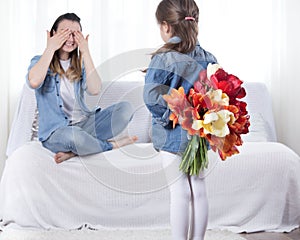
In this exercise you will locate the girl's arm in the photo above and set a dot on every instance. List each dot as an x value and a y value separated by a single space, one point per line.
93 80
156 85
37 73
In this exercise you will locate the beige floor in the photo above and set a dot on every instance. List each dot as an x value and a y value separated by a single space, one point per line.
294 235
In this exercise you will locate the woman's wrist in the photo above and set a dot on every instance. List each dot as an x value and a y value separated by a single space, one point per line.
85 53
49 50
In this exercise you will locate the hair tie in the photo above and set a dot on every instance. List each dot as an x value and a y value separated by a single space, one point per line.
189 18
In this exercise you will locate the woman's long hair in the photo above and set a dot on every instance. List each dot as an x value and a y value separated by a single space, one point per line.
74 71
174 13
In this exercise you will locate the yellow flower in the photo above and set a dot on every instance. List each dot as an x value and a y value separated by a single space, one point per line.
215 123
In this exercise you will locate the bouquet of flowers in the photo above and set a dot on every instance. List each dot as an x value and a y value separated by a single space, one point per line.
212 114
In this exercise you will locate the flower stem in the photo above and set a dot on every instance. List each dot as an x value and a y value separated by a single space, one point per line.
194 158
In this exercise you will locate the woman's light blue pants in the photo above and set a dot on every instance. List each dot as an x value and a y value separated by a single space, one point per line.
91 135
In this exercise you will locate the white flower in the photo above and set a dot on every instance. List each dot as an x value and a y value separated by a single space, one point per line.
216 123
217 96
197 124
211 69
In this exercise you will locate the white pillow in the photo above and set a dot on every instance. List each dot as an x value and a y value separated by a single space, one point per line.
259 106
259 130
130 91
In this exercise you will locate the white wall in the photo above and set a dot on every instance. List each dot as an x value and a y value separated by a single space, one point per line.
259 41
286 88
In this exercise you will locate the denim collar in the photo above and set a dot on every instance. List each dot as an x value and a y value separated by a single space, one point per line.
174 40
177 39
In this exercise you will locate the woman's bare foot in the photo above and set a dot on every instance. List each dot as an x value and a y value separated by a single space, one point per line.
63 156
123 141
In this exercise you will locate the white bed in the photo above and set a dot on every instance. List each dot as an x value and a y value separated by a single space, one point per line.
257 190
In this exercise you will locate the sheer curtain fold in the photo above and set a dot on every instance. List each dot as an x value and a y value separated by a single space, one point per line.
252 39
4 76
285 71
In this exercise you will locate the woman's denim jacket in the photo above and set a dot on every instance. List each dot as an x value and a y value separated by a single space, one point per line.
166 71
50 104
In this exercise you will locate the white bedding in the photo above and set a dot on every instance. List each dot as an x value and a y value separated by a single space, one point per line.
259 189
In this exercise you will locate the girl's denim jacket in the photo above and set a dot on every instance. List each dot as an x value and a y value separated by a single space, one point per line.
166 71
50 104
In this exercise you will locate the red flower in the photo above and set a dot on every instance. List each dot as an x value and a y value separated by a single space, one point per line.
199 101
229 84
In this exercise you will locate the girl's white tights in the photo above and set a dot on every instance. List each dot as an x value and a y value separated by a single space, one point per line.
186 193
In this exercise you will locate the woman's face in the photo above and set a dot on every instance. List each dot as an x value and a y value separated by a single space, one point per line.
70 44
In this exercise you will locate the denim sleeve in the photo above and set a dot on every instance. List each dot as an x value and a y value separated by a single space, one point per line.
154 89
33 61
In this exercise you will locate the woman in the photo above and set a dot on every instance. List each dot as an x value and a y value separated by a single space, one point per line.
60 76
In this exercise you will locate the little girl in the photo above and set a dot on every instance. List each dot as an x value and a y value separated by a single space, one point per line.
60 77
176 64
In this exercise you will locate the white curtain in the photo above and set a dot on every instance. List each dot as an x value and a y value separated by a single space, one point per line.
256 40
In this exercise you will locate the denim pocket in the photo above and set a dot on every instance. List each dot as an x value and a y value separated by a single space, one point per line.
48 86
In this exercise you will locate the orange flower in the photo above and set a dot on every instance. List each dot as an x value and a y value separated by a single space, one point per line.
225 146
177 102
174 119
190 114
